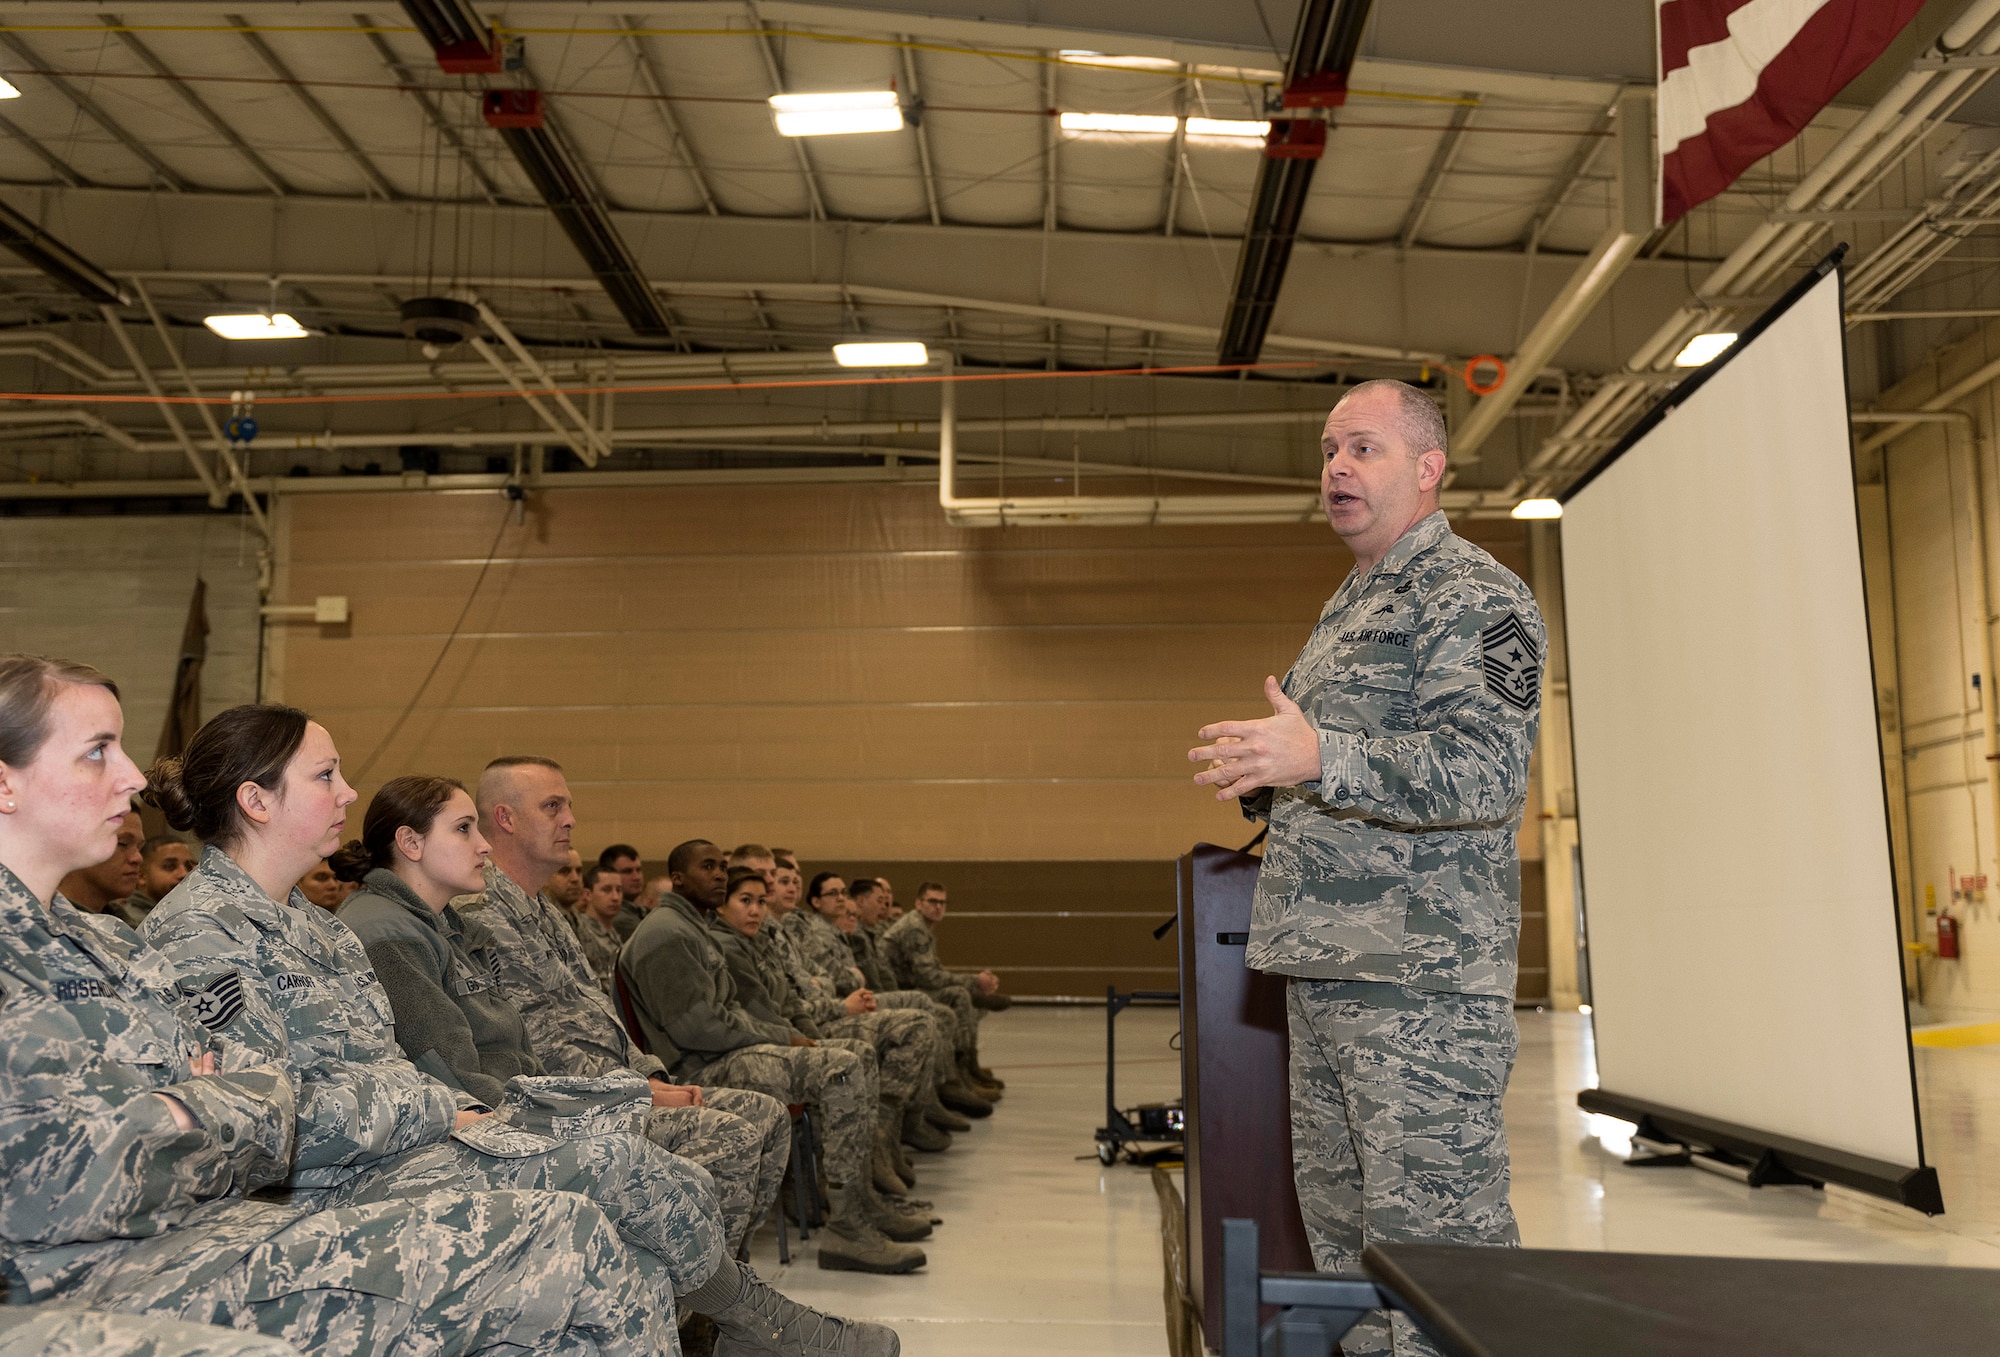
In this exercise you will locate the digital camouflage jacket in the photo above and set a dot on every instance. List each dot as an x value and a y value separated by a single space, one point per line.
95 1178
1399 864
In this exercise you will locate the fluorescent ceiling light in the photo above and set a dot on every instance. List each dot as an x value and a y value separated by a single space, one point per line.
254 326
1236 129
1538 508
1702 349
896 354
1119 122
7 90
833 115
1077 56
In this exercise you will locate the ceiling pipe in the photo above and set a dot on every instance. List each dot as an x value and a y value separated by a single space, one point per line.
58 261
1093 510
466 44
1323 51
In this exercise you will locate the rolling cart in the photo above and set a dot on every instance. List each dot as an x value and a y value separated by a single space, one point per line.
1160 1124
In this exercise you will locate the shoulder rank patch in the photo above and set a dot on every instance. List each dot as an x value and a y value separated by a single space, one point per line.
1513 668
216 1002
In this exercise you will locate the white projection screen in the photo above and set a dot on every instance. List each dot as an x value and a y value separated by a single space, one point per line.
1740 906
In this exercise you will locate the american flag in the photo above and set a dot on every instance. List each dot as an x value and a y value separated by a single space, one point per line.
1740 78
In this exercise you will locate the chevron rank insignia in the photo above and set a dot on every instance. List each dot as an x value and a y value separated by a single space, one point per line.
1513 668
217 1001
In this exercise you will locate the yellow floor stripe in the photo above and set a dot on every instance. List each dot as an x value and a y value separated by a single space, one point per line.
1961 1034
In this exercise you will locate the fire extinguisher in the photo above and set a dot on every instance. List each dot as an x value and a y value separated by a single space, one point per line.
1947 937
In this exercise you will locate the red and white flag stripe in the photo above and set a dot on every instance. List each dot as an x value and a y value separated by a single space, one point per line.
1740 78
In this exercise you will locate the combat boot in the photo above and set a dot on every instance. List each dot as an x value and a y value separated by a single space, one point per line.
892 1220
987 1076
857 1246
762 1322
968 1074
899 1159
921 1133
960 1098
883 1169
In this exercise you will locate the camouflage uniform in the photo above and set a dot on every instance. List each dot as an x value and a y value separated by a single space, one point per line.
133 909
73 1331
742 1138
909 948
372 1127
1390 894
600 947
629 917
900 1042
106 1203
685 999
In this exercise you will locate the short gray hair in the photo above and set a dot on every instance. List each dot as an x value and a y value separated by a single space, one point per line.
1418 418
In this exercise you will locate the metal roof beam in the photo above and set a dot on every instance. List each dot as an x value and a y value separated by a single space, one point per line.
656 85
806 169
59 167
438 121
276 66
196 105
1447 151
89 107
923 135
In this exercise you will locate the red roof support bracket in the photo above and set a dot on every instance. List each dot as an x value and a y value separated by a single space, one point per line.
512 108
1321 89
472 57
1296 139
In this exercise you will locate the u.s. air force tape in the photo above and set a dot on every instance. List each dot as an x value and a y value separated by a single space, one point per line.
216 1000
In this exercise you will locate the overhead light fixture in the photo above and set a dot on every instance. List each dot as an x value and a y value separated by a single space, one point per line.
1538 508
256 326
7 89
835 115
1077 56
1142 123
1702 349
893 354
1236 129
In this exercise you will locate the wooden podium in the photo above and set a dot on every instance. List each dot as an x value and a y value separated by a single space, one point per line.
1234 1057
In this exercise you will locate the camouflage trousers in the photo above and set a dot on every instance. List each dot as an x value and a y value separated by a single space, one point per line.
965 1015
1396 1128
660 1203
456 1273
743 1139
943 1024
835 1077
903 1044
73 1331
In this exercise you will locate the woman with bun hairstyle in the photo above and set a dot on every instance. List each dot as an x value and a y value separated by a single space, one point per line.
134 1120
261 787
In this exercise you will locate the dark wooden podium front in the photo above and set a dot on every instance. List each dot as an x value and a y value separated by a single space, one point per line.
1233 1073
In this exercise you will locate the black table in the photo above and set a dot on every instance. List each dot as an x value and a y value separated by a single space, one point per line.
1552 1303
1485 1302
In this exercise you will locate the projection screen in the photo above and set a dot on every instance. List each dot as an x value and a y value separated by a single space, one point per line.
1739 901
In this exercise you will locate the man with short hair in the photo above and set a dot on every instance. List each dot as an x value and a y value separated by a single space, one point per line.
100 888
1393 772
592 917
681 989
624 859
742 1139
909 946
164 860
565 883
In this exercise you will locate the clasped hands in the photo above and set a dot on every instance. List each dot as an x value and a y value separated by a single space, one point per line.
1279 750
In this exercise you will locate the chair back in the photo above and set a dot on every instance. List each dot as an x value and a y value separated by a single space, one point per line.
626 1011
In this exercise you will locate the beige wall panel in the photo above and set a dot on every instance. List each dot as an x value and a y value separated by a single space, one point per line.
833 667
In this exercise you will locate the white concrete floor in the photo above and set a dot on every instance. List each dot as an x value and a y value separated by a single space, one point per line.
1045 1251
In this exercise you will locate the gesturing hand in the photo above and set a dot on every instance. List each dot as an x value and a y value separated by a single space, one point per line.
1279 750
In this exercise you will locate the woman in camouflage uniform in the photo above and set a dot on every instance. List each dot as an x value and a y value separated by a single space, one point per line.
131 1131
261 787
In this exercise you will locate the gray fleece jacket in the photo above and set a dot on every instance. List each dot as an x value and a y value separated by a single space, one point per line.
451 1018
